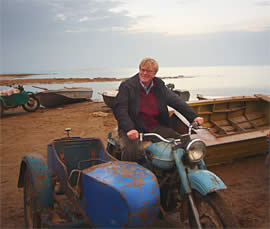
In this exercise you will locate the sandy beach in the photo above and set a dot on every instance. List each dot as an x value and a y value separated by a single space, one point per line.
24 133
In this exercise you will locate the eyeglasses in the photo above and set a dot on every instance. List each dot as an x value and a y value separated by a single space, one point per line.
146 70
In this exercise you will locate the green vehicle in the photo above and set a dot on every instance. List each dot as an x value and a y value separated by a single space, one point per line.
18 97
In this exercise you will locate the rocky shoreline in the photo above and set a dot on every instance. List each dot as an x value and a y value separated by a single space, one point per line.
4 82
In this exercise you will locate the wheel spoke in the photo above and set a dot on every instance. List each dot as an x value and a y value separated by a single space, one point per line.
213 212
32 104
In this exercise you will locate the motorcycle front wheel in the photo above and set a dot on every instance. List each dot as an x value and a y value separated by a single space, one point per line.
213 212
32 104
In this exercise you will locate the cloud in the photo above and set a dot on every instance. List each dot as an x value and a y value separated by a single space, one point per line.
84 19
187 2
54 32
262 3
62 34
28 19
62 17
97 15
37 17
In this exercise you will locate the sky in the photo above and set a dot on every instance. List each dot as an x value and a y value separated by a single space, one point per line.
66 35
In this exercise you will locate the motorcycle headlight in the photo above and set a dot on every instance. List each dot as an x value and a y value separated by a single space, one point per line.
196 150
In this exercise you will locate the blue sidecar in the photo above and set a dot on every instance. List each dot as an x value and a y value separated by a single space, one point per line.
82 185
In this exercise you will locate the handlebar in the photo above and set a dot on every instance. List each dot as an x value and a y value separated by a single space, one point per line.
172 141
154 135
194 125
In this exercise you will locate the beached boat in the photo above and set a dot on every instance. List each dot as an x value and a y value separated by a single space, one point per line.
237 126
53 98
184 94
110 95
206 97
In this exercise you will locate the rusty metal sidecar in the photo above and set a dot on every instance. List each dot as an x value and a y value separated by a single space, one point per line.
82 185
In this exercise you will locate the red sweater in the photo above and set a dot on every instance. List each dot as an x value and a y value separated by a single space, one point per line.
148 109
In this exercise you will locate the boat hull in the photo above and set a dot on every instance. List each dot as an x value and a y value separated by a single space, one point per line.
231 151
109 96
237 126
53 98
109 100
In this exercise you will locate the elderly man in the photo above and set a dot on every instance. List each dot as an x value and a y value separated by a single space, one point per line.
141 106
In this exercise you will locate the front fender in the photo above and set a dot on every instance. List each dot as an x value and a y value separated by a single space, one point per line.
40 178
205 181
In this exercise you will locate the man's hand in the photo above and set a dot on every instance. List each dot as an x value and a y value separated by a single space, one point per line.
133 134
199 120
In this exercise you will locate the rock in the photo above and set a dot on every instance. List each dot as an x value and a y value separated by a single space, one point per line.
100 114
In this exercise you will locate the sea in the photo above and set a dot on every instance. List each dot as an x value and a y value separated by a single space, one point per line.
204 80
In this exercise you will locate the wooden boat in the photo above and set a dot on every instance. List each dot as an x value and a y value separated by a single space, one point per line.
52 98
237 126
110 95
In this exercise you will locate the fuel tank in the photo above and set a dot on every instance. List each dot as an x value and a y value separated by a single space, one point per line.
161 155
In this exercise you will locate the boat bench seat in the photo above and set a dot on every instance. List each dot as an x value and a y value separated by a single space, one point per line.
79 154
241 123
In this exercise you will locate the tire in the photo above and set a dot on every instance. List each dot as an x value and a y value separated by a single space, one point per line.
31 216
213 212
114 151
32 104
1 109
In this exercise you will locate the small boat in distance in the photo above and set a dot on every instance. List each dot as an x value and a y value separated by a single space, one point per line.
184 94
203 97
237 126
109 95
53 98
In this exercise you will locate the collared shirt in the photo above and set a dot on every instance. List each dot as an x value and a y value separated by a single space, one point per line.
147 90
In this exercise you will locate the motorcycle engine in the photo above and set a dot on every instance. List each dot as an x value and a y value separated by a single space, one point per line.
169 189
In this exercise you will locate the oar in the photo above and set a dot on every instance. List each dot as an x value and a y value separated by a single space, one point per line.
43 88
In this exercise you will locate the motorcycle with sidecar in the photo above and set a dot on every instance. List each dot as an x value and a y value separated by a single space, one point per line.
186 185
81 185
18 97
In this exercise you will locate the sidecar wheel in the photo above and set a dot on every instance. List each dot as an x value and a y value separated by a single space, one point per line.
213 212
32 104
31 216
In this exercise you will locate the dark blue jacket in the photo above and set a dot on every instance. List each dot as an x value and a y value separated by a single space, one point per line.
127 104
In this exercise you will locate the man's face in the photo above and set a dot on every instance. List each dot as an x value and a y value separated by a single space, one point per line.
146 75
